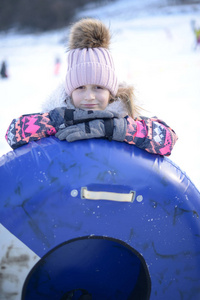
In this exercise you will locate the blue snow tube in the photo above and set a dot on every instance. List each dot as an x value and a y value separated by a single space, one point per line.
109 221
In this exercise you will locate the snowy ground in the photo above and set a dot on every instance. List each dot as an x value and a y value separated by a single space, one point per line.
153 48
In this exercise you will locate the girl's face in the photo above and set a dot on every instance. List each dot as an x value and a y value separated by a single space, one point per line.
91 97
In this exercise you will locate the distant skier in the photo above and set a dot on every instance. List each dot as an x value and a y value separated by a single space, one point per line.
57 66
4 70
196 31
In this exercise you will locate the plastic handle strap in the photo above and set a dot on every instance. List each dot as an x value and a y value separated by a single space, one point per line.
100 195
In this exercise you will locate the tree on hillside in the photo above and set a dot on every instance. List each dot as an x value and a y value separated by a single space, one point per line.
39 14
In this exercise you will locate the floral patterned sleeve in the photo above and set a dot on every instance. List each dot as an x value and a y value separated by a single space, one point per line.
29 128
150 134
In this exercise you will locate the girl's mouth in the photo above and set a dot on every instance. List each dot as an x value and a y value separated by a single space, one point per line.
89 105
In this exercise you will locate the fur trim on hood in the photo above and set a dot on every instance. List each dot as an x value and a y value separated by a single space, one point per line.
123 103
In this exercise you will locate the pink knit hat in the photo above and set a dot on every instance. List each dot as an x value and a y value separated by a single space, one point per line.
89 60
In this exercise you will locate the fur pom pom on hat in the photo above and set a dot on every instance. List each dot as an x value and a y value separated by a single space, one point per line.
89 59
89 33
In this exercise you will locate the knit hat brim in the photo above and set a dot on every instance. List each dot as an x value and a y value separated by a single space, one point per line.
91 73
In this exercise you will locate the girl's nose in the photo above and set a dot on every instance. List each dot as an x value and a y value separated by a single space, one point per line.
89 95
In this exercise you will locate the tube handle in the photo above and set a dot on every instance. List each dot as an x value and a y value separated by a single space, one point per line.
101 195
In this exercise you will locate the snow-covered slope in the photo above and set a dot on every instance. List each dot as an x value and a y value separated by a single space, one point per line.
153 47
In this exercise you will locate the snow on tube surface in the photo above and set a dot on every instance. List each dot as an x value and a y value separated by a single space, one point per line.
107 219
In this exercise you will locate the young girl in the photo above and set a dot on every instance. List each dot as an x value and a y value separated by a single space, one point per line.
91 103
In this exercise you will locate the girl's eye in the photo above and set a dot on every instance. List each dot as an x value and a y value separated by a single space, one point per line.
80 88
99 87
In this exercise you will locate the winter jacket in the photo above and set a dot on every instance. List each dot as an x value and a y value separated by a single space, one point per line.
150 134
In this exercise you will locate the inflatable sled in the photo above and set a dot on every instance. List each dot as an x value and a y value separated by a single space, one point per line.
106 220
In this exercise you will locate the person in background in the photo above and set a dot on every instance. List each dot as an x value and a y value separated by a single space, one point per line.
3 71
196 31
57 66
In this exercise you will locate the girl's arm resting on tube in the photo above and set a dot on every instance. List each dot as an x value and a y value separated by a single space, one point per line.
29 128
150 134
33 127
